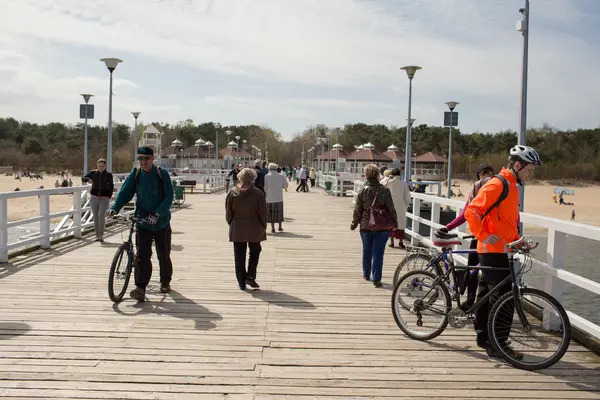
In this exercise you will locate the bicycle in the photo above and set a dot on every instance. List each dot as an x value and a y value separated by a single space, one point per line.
127 249
432 259
434 299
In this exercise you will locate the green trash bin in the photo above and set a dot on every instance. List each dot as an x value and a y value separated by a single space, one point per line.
178 192
328 186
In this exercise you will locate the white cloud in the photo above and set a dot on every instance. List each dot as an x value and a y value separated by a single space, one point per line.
346 53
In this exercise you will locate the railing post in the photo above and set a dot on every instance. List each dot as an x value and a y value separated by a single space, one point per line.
76 214
555 257
415 224
3 230
435 217
204 189
45 222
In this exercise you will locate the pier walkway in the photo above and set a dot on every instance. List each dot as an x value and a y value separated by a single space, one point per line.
315 330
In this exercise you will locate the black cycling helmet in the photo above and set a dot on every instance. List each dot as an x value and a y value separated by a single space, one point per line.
484 167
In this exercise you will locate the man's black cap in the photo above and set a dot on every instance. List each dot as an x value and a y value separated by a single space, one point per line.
145 151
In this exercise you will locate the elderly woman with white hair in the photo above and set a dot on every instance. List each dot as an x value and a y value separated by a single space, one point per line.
275 183
246 214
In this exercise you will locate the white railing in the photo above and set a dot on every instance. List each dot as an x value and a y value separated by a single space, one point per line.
554 271
340 185
431 188
72 222
205 184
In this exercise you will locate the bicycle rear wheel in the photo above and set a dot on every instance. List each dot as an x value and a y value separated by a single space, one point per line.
120 273
419 298
547 327
412 262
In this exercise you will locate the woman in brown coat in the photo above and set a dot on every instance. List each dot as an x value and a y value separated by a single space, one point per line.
246 214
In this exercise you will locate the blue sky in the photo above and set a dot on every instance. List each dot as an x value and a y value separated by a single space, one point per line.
290 64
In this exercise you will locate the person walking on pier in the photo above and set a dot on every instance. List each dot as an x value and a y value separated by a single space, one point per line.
493 232
275 183
246 215
302 176
374 199
153 189
401 197
469 278
101 192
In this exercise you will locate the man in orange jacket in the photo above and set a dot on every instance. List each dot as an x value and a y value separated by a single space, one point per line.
493 232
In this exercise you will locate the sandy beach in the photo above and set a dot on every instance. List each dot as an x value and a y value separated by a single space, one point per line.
29 207
538 199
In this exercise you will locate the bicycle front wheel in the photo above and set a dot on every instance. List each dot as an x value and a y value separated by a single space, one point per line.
120 273
540 340
420 305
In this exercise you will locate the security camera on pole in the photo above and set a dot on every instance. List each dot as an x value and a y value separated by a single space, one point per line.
86 111
111 64
450 119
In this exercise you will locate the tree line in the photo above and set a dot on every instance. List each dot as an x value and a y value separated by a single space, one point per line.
572 154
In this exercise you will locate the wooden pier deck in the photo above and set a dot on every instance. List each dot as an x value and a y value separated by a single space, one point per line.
315 330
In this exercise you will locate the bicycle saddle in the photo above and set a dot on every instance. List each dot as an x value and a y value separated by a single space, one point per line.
443 239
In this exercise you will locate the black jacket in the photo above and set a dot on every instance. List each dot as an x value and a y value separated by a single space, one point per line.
364 201
102 183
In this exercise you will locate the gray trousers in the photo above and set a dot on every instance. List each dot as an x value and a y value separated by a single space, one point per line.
99 205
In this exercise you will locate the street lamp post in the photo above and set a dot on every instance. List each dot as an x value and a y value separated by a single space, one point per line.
244 152
86 99
135 114
410 72
111 64
523 27
302 161
217 128
237 149
228 133
451 105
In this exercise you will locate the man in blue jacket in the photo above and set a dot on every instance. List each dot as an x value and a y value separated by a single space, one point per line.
154 196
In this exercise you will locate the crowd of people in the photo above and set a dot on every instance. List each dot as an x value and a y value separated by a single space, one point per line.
256 200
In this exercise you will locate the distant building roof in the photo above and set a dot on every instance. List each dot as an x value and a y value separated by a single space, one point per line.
430 157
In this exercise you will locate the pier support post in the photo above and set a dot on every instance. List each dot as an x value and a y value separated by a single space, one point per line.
45 222
3 230
77 214
555 257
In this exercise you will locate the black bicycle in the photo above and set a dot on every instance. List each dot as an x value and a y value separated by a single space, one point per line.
540 319
120 272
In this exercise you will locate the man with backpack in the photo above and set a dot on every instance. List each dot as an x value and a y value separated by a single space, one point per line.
154 196
468 278
493 217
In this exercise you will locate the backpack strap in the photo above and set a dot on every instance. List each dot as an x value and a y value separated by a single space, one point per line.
161 181
502 197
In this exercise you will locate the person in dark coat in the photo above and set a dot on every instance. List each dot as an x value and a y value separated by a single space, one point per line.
373 193
246 215
101 193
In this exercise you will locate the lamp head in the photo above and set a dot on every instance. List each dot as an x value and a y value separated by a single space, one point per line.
411 70
86 97
244 141
452 105
136 114
228 132
111 63
237 138
217 125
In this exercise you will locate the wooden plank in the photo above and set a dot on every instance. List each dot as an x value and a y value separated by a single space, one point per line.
316 330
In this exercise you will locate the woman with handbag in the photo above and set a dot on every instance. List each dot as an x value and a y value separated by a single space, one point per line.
375 213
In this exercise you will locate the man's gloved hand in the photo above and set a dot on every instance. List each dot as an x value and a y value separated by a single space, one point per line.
152 219
443 229
110 213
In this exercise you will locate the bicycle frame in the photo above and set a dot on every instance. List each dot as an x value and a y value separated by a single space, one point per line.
512 277
446 256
